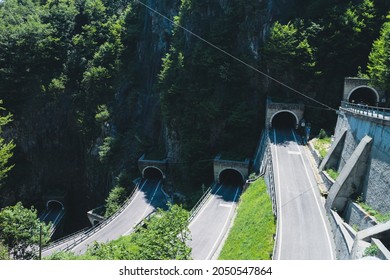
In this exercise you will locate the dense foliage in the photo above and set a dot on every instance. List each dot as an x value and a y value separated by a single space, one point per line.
21 230
379 59
6 147
94 84
163 237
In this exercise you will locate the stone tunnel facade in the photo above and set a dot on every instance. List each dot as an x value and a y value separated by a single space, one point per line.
353 84
221 165
161 165
272 109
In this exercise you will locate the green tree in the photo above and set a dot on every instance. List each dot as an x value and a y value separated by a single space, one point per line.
4 255
289 55
114 200
5 147
165 236
20 231
378 67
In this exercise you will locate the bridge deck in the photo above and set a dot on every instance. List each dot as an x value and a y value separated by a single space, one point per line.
303 229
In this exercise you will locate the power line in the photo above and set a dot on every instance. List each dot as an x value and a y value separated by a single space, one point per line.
234 57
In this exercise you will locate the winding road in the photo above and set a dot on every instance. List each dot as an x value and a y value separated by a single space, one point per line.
145 200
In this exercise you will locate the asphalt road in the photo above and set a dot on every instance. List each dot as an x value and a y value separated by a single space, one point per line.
51 215
148 198
303 228
211 224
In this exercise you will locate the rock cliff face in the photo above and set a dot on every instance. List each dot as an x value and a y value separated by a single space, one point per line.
52 155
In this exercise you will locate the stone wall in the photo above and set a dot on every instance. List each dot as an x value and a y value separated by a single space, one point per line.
356 216
273 108
220 165
162 165
352 83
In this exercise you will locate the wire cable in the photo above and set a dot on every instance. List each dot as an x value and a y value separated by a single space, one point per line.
234 57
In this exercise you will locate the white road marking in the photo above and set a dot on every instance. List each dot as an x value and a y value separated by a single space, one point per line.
223 228
279 199
315 198
294 153
225 205
154 194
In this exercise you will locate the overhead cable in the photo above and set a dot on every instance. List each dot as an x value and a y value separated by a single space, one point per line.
234 57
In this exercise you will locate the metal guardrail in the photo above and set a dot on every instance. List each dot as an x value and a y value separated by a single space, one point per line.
96 228
266 171
365 110
64 239
84 234
194 211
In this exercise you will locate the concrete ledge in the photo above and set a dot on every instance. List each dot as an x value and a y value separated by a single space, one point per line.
374 231
384 253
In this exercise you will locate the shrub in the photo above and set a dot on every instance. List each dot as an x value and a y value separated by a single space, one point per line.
322 134
371 251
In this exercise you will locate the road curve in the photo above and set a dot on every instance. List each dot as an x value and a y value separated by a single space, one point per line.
212 222
145 200
303 228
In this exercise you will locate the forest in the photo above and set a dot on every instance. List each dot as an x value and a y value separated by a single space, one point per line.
89 86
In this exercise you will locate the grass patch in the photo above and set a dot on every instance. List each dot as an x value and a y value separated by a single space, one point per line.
322 145
380 217
251 237
333 173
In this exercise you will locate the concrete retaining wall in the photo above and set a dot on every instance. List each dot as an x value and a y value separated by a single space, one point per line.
355 215
376 187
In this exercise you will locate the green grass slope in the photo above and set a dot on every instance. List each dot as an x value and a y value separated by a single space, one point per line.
251 237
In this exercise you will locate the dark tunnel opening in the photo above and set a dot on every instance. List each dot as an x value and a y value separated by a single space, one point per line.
364 96
284 120
153 173
231 177
55 205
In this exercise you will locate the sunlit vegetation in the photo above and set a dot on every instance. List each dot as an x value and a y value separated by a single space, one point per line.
252 235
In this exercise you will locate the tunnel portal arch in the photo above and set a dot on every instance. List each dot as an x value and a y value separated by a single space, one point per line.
55 204
153 172
231 176
284 118
365 95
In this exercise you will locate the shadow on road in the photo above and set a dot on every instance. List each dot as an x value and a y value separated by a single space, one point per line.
226 192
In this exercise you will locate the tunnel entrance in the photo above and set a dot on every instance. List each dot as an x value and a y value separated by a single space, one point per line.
231 177
284 120
364 96
54 205
154 173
